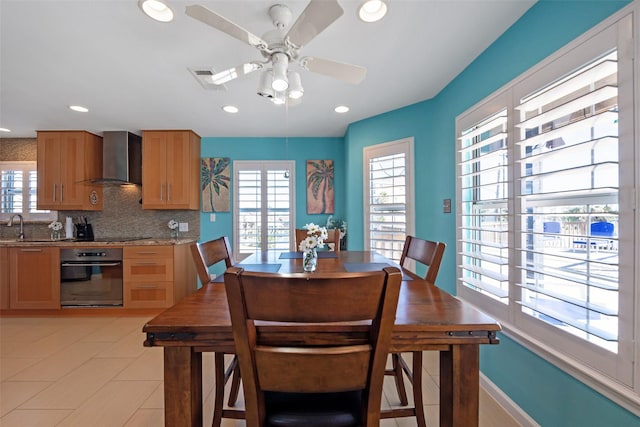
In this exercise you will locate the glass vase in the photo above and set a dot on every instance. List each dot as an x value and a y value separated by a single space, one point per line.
174 233
55 234
310 260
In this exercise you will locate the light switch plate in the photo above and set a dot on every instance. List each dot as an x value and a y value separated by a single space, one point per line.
212 217
183 227
446 206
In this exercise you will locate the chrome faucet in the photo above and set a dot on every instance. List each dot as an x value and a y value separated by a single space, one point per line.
10 223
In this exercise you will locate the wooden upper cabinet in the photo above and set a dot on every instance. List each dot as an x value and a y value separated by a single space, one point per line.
170 170
67 160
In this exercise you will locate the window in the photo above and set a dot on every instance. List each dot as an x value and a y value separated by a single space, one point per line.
546 229
389 208
264 206
18 184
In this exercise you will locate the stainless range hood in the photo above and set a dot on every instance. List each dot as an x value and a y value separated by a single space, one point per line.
121 158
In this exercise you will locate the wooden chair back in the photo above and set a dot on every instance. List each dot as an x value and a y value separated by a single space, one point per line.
322 366
425 252
206 254
333 237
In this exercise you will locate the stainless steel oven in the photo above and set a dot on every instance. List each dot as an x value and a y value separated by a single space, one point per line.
91 277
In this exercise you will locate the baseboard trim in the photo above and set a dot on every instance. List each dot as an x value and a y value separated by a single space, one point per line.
505 401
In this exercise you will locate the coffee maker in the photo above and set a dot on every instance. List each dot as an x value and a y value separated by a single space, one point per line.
84 231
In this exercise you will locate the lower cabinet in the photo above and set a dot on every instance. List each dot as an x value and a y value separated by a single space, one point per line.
157 276
34 278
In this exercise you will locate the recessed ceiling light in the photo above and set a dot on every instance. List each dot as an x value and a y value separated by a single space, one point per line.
230 109
79 108
372 10
341 109
156 9
5 130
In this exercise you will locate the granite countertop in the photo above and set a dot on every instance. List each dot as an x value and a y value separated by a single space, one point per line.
94 244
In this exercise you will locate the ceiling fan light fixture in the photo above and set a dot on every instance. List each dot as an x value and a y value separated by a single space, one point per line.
156 9
280 64
372 10
279 98
296 91
264 89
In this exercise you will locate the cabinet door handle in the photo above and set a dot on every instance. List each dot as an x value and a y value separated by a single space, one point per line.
31 250
146 263
55 189
147 253
61 192
146 287
161 199
168 192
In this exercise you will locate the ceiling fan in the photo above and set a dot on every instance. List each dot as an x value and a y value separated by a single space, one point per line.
281 47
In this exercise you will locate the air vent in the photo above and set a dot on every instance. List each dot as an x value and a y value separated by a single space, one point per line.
203 76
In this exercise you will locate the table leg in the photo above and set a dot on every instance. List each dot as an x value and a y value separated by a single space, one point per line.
182 387
460 386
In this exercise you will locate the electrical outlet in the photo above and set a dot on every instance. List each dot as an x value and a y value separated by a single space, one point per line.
183 227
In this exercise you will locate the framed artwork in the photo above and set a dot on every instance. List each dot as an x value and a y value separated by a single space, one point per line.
320 195
215 182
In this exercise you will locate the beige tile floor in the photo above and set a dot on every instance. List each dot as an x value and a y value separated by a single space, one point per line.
94 371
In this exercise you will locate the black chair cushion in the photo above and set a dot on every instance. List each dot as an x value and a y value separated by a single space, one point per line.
313 409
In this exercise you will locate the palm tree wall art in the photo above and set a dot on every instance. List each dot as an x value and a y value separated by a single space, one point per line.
320 194
215 181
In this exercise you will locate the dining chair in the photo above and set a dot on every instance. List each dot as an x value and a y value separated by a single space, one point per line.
333 238
429 254
205 255
316 381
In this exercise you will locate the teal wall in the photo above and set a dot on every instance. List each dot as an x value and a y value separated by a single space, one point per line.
299 149
546 393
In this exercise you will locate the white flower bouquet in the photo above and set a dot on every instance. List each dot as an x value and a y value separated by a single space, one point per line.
316 236
172 224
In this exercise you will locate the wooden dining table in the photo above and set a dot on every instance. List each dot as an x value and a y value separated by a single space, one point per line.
427 319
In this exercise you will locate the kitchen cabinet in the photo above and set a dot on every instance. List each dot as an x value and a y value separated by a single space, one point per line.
157 276
4 278
67 160
34 277
170 169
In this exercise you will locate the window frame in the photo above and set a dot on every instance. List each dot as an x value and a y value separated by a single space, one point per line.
620 380
401 146
26 166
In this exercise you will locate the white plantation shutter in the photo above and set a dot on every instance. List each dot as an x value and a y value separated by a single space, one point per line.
568 174
483 217
263 206
388 182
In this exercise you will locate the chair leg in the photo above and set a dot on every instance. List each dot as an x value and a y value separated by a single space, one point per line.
235 381
399 377
416 382
218 401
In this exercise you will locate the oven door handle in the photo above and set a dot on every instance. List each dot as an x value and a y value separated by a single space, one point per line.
92 264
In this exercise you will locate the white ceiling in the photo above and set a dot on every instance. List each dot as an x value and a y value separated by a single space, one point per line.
131 71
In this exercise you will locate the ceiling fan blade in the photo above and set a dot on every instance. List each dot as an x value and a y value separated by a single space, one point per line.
317 16
349 73
233 73
221 23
